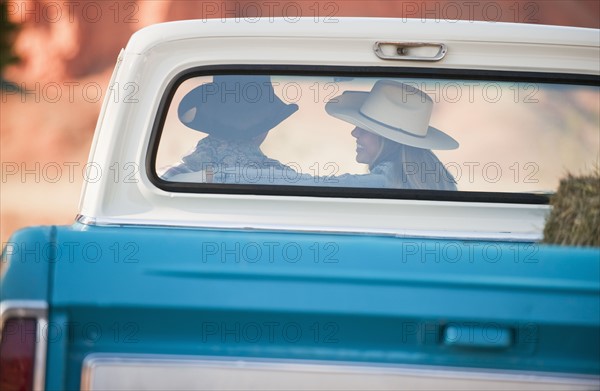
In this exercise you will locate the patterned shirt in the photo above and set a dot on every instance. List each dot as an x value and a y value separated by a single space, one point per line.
223 156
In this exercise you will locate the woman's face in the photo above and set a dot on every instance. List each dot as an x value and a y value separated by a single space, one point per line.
368 145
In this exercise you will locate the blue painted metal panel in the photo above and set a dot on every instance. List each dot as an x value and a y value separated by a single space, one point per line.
327 297
26 259
57 335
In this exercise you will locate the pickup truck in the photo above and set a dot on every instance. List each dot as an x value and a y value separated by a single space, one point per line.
236 229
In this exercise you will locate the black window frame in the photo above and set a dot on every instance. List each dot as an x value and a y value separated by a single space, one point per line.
348 71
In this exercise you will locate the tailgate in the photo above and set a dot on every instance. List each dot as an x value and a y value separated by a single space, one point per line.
198 308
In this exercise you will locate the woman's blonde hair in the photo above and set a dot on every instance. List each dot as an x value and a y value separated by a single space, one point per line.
416 168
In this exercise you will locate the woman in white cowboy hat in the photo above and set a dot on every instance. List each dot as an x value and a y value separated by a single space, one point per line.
393 135
237 112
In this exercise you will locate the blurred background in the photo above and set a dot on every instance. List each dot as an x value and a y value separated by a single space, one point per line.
57 57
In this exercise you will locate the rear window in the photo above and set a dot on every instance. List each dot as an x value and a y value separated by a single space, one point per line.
374 136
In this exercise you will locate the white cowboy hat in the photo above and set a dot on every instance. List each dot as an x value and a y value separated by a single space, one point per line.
394 110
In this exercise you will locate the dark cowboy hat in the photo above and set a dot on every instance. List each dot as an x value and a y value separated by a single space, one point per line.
234 107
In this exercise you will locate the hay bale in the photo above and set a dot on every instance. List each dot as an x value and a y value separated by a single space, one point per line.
575 216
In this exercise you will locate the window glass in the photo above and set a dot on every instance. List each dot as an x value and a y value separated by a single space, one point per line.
392 133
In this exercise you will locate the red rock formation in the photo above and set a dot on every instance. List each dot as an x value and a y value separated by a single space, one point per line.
73 39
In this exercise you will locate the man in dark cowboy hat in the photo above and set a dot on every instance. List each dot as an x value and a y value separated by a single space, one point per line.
236 112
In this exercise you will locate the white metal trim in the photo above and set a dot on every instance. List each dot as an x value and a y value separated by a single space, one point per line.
95 360
417 234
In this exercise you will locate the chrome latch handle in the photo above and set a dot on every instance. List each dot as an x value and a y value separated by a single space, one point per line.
469 335
410 51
